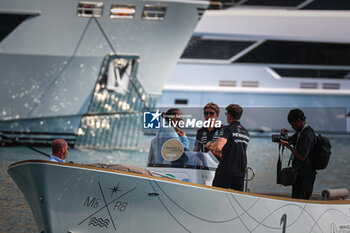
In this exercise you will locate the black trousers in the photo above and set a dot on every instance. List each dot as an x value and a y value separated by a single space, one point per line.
303 186
229 182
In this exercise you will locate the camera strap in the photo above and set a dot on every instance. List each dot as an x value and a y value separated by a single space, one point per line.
290 159
279 163
280 155
280 152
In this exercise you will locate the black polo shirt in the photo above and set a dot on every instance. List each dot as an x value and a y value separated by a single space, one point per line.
204 136
234 153
305 145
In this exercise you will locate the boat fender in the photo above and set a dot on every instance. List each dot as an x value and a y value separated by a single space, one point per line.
335 193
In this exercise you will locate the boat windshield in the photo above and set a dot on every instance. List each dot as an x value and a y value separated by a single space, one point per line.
180 153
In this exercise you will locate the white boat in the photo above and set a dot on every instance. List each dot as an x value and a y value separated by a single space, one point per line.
56 58
80 198
83 198
269 57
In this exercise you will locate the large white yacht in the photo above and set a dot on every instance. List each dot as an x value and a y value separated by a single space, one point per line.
269 54
83 70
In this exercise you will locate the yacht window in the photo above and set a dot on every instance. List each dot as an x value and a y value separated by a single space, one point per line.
153 12
280 3
296 4
292 52
181 101
200 12
312 73
332 86
90 9
199 48
122 12
227 83
250 84
8 22
328 5
308 85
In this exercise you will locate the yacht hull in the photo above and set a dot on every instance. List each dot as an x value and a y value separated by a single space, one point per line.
230 57
52 59
76 198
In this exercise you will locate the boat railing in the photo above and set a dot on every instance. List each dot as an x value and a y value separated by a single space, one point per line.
247 178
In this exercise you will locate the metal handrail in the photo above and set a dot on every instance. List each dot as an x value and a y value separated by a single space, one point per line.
247 179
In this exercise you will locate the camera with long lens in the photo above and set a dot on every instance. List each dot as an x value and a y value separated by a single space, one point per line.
278 137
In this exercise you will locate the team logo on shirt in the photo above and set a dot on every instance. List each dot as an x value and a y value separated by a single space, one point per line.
151 120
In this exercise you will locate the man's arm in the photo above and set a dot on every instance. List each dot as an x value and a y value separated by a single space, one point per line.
217 154
293 150
216 147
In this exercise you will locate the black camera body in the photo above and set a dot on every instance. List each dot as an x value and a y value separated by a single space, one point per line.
278 137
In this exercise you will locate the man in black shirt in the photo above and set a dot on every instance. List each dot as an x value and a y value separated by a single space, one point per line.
233 145
302 145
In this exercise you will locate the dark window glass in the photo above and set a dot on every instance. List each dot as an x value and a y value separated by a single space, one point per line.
285 3
199 48
307 5
8 22
328 5
181 101
307 53
218 4
313 73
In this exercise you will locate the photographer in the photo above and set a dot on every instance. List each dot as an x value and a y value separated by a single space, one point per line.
302 145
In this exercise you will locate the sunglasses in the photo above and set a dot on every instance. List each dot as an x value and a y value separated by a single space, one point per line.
209 113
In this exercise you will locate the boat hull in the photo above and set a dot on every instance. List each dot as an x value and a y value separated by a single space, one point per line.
76 198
